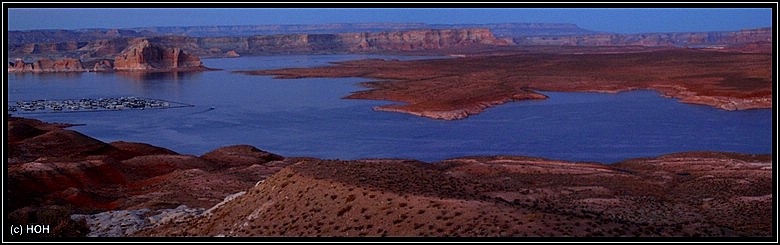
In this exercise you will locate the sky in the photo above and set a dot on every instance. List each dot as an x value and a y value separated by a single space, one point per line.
635 20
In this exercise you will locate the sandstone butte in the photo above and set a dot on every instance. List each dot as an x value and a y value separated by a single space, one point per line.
139 55
729 79
239 190
144 55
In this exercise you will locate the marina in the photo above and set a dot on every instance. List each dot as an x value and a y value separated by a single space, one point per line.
85 104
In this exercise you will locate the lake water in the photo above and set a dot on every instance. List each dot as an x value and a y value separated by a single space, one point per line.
307 117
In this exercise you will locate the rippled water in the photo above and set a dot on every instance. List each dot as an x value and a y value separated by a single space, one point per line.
307 117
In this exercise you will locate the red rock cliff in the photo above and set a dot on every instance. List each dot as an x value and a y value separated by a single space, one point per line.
420 39
653 39
47 65
347 42
142 55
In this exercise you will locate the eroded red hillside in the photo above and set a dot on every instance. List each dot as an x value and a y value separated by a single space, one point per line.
688 194
49 165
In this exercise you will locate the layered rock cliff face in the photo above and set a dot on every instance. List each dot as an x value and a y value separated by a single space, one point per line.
144 55
500 30
50 48
277 44
350 42
420 40
135 55
47 65
678 39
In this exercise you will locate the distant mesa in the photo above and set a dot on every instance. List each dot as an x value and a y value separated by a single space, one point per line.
178 53
331 43
180 48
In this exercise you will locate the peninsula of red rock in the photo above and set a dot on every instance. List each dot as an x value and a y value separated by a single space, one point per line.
456 88
88 187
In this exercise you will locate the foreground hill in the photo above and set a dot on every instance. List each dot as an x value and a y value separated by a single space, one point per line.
54 172
686 194
83 186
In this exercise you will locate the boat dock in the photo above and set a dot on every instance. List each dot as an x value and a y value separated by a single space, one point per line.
82 105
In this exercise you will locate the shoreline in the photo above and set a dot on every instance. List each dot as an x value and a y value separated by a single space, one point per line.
56 126
452 89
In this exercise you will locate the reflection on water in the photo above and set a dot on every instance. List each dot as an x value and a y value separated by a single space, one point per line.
46 76
147 76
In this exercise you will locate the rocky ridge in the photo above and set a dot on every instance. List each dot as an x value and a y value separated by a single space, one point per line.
686 194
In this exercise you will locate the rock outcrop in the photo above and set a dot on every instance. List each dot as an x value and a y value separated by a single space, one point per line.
232 54
240 155
47 65
104 48
143 55
134 55
123 223
103 65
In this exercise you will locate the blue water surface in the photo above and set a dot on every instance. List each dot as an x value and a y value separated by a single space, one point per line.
308 117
